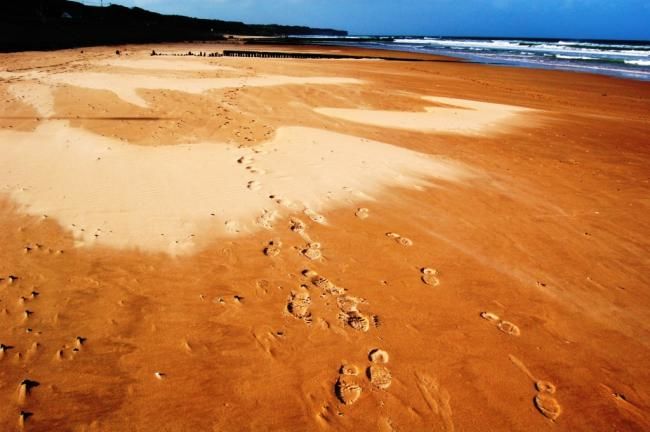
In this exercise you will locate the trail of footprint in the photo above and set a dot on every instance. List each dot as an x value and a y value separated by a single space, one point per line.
430 276
505 326
544 400
404 241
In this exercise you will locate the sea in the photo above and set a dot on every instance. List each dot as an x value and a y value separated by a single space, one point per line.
624 59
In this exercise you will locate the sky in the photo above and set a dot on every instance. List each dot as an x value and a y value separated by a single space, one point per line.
604 19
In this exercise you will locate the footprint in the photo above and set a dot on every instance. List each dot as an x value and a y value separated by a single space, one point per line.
404 241
548 405
349 370
273 248
350 313
299 303
254 185
358 321
296 225
267 218
545 387
362 213
326 285
544 400
23 417
378 356
509 328
232 226
312 251
318 218
245 160
347 388
379 376
24 389
505 326
430 276
489 316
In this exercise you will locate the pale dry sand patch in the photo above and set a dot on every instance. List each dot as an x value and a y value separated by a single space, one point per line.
172 198
166 64
459 116
36 95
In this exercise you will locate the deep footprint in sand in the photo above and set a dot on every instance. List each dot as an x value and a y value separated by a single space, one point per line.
347 389
298 304
379 376
430 276
273 248
25 389
358 321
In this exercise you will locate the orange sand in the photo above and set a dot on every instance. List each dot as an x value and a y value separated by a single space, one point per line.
484 228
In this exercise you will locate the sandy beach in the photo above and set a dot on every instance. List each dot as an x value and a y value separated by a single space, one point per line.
259 244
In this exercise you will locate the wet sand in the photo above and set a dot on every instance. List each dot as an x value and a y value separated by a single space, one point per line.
272 244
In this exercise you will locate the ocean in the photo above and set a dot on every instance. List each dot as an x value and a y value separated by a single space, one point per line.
625 59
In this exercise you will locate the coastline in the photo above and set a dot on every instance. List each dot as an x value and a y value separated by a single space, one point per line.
537 216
